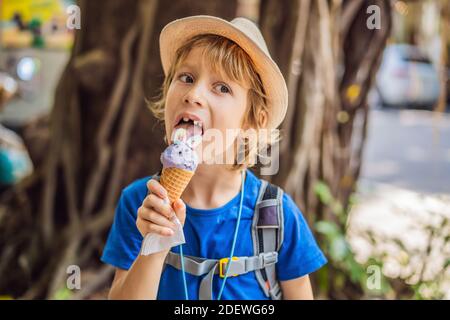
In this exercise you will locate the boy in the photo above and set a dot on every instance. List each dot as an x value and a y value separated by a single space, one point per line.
220 75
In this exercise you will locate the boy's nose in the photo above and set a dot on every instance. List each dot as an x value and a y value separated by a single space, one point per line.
195 96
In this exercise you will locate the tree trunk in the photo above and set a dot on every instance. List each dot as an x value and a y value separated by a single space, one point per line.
99 111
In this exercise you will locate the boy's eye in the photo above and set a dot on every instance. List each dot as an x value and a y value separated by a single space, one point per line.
223 88
186 78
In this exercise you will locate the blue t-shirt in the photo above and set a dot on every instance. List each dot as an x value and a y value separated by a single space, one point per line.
209 234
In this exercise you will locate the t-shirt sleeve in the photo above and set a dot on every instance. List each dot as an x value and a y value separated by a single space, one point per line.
299 254
124 240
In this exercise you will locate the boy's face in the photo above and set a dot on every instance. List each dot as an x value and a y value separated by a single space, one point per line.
197 93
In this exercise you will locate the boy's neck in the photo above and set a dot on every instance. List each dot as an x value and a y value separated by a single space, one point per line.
212 186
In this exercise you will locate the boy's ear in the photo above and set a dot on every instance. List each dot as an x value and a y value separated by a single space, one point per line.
263 119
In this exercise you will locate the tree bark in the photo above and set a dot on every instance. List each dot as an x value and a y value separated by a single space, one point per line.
102 137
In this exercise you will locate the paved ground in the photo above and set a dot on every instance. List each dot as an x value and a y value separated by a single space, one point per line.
404 192
409 149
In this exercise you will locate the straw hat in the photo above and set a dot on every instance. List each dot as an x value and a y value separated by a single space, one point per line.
244 33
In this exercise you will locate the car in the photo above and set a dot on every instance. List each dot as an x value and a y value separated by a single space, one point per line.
406 78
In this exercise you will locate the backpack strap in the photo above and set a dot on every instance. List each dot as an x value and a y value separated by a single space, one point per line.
209 267
267 234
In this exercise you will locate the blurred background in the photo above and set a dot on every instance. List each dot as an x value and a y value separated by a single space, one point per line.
365 150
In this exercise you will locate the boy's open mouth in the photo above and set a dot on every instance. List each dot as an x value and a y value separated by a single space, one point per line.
191 124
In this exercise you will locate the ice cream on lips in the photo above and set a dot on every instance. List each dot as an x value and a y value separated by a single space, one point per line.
192 127
181 153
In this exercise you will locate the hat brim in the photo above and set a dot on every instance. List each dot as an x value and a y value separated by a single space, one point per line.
176 33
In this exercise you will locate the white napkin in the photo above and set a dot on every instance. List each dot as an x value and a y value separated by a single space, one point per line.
154 242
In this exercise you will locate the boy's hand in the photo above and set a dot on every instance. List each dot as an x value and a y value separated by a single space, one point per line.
155 213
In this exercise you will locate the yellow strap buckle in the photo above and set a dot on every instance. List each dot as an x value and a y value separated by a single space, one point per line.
222 266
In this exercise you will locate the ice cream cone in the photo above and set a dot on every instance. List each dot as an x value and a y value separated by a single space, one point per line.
175 180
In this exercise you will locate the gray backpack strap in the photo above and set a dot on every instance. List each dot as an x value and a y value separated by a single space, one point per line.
200 266
267 234
196 266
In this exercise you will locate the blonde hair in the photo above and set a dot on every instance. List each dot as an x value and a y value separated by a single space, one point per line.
224 54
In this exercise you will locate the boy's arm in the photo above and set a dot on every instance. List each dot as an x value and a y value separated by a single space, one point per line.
141 281
297 289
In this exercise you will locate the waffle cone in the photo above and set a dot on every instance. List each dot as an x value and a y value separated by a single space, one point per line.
175 180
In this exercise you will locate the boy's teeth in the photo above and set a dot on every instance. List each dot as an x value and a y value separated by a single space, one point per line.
186 119
197 123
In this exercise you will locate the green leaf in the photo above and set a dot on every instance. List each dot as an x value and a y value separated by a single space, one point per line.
357 272
338 209
63 294
323 192
328 228
323 279
353 200
339 281
446 264
339 249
